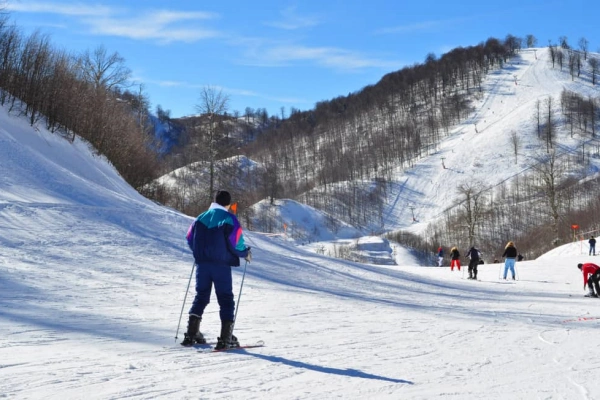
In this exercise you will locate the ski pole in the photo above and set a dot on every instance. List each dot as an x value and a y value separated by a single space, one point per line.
183 305
237 307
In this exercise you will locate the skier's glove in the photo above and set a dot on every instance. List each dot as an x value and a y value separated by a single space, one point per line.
249 256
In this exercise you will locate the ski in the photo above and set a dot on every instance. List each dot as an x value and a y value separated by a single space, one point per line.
260 343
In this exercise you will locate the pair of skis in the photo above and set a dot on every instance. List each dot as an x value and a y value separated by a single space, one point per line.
212 348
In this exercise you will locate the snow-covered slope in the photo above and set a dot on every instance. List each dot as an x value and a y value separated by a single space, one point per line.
93 277
481 148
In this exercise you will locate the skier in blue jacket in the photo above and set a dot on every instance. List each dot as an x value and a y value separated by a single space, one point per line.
217 242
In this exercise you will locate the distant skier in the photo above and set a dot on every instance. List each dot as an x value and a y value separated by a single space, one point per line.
591 277
510 252
216 239
474 255
592 243
455 259
440 255
520 257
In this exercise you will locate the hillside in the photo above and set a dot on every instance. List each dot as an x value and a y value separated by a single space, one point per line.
480 150
93 276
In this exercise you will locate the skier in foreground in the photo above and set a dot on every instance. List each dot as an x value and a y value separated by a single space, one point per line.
218 244
591 277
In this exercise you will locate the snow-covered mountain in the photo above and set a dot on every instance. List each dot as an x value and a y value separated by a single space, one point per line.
481 148
93 278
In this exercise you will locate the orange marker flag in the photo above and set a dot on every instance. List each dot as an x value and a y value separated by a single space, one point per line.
233 208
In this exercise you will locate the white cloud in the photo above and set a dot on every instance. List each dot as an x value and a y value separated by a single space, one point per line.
146 28
290 20
116 21
420 26
229 91
424 26
250 93
330 57
75 9
169 83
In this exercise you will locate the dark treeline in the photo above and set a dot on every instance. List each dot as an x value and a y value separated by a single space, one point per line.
78 94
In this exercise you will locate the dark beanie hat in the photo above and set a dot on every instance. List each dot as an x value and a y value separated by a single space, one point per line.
579 266
223 198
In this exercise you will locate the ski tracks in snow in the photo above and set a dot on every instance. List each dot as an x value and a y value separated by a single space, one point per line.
568 366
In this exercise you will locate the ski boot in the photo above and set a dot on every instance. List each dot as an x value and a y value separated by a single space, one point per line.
193 335
227 340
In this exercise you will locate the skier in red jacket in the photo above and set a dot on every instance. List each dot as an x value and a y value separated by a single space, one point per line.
591 277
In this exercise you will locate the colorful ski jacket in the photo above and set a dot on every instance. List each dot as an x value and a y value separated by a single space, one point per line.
216 237
588 269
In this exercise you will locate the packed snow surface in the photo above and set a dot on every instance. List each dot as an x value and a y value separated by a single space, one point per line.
93 278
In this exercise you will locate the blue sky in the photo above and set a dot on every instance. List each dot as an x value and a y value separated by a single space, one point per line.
273 54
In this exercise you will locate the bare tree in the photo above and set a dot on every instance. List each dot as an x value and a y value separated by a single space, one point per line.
10 42
515 141
271 184
512 43
213 105
141 105
583 46
549 172
592 113
552 51
560 57
472 204
572 63
537 116
104 70
594 65
550 122
531 40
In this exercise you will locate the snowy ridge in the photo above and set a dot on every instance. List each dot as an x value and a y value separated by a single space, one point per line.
92 279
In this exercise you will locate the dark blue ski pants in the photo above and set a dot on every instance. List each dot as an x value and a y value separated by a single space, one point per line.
220 276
